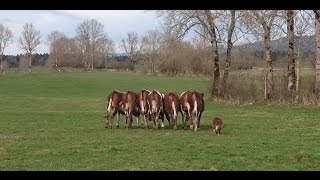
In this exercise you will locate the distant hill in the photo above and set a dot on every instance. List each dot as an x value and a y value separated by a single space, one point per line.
308 44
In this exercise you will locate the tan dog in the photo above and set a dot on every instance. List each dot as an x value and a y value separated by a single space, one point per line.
217 125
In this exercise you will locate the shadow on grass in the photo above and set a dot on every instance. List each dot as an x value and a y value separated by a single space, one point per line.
203 127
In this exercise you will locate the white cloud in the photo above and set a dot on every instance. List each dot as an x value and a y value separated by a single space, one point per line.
116 23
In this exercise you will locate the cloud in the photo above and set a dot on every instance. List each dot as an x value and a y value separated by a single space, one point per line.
116 23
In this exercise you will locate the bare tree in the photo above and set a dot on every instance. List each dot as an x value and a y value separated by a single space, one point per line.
209 26
298 24
82 48
89 31
303 26
109 49
5 37
96 32
83 40
151 44
230 30
179 22
106 47
261 23
56 45
30 40
317 36
132 47
69 53
291 60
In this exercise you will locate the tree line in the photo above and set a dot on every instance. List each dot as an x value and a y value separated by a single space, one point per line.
166 49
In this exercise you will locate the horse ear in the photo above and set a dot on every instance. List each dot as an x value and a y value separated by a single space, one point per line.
202 95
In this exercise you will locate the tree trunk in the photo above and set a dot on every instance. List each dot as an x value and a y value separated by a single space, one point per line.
106 62
30 63
229 48
56 65
151 64
269 73
1 64
216 70
92 65
85 63
131 64
86 58
92 57
291 60
317 63
153 68
298 79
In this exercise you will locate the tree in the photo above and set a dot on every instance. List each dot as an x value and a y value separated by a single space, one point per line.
291 60
68 54
179 22
83 40
317 67
5 37
132 47
88 32
96 33
303 25
151 44
298 24
109 48
30 40
106 47
261 23
230 30
56 45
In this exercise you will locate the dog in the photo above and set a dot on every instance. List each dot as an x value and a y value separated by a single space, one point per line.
217 125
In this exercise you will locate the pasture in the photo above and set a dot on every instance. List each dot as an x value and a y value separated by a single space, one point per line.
54 121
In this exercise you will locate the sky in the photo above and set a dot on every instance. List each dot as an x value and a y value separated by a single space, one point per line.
117 23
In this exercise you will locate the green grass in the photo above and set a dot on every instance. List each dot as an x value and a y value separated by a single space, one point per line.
54 121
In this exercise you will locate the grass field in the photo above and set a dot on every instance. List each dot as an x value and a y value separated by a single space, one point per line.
54 121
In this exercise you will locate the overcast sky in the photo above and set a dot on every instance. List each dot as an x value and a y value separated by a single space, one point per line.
116 23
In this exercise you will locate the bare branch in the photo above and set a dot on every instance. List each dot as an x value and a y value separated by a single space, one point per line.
5 37
30 38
